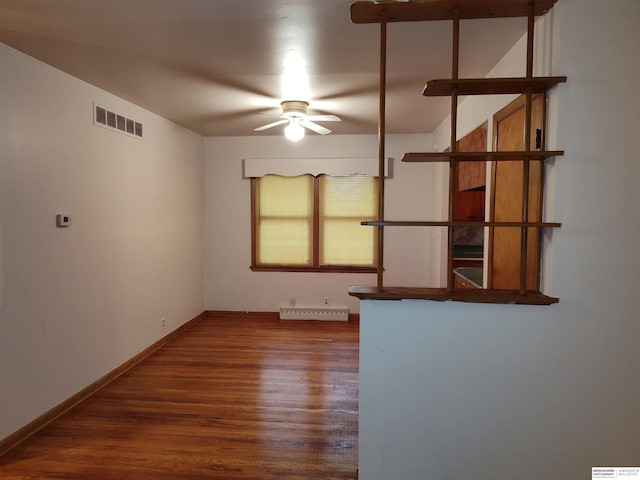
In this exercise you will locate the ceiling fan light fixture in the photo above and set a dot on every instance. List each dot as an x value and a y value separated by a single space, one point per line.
294 132
294 109
294 114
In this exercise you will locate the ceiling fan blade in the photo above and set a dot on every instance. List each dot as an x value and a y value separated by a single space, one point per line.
315 127
323 118
271 125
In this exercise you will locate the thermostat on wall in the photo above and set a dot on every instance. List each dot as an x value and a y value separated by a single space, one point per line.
63 220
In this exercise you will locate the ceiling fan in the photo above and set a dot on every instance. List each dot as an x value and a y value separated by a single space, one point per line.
294 113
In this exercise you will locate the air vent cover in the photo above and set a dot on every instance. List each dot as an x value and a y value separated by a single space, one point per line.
103 117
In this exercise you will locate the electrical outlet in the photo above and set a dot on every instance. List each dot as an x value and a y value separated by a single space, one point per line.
163 323
326 300
292 302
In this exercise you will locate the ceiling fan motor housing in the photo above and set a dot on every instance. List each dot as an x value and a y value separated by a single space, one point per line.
294 109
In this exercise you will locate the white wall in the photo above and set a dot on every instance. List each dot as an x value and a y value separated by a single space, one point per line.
77 302
453 390
415 191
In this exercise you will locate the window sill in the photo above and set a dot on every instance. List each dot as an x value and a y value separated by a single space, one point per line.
292 268
457 295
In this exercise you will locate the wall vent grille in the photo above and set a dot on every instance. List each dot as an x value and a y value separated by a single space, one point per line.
103 117
314 313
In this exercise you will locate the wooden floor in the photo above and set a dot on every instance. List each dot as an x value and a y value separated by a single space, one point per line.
232 398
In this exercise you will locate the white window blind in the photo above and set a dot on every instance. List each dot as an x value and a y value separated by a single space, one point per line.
285 220
344 203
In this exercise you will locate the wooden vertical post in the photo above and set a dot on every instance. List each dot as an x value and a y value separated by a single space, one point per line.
453 146
381 145
543 169
526 164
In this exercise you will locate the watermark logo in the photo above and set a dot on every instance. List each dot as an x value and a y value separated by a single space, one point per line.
626 473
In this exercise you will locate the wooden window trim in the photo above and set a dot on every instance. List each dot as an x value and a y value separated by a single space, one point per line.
301 269
316 267
254 237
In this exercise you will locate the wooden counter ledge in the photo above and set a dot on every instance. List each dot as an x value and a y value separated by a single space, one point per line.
460 295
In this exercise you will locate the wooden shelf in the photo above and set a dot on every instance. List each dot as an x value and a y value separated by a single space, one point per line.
490 86
480 156
458 223
386 11
475 295
369 12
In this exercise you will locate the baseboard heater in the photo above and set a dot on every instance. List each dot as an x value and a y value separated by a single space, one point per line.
314 313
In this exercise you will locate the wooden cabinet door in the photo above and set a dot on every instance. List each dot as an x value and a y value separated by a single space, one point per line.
460 283
506 199
473 175
469 204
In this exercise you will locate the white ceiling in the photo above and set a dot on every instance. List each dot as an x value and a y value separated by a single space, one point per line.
214 66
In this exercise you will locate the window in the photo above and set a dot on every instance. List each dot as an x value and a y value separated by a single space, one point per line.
308 223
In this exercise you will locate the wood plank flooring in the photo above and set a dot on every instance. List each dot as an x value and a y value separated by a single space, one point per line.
232 398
